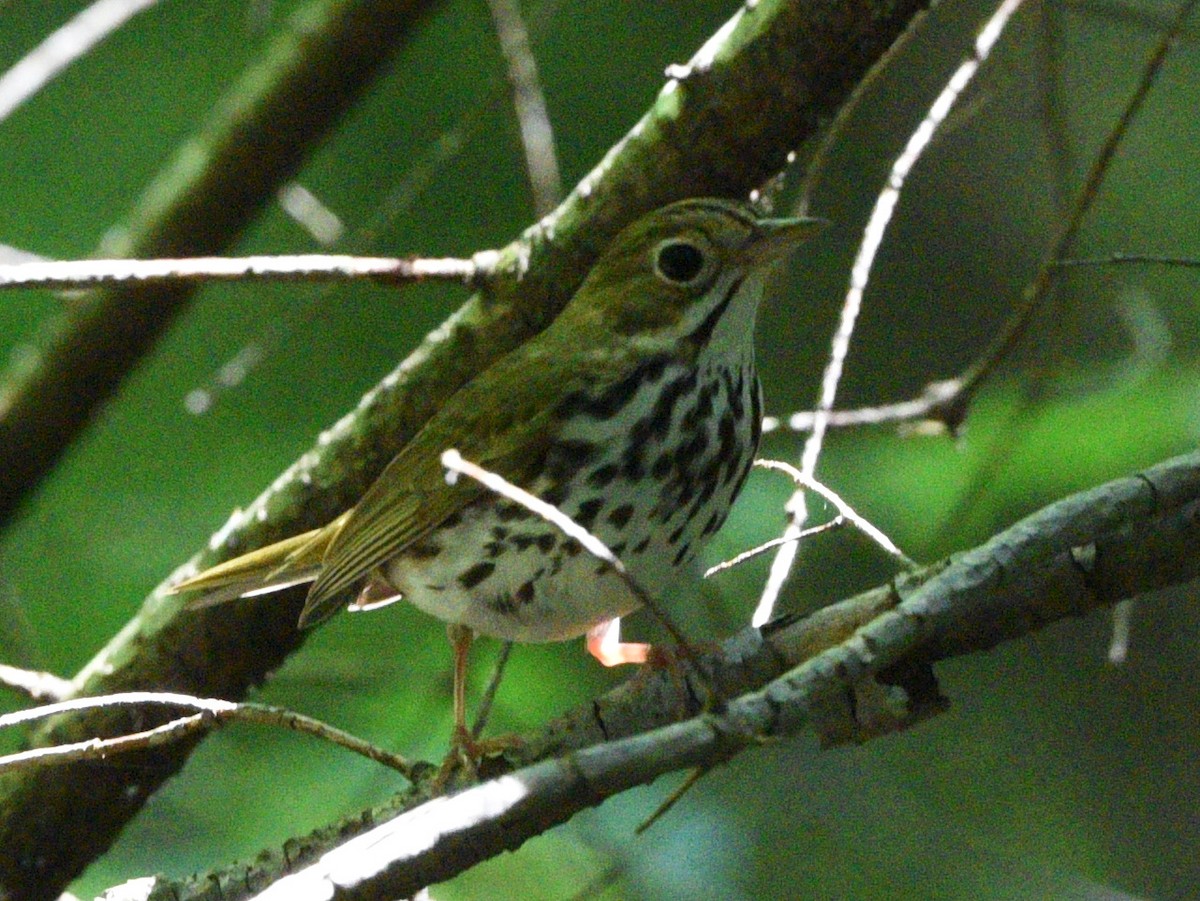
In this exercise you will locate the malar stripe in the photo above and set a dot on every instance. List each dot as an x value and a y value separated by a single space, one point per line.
703 332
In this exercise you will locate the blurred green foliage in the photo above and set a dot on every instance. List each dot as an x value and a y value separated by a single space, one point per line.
1053 775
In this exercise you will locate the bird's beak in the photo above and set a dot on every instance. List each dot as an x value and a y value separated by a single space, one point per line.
774 238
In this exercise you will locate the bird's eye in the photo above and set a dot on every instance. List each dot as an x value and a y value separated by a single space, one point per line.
678 261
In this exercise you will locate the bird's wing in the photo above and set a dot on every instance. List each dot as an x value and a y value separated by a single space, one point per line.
504 420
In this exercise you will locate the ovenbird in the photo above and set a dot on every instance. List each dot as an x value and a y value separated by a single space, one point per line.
637 412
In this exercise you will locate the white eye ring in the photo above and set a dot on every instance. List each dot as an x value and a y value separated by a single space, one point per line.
681 262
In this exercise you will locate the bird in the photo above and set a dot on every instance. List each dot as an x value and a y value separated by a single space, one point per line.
636 412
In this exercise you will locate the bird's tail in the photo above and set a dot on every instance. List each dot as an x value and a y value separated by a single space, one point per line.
292 561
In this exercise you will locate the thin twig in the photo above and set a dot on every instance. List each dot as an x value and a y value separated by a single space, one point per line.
298 267
845 511
1116 259
529 102
68 43
212 712
36 685
934 396
673 798
758 550
860 274
484 709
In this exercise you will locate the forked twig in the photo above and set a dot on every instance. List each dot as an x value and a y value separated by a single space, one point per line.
846 515
845 511
211 713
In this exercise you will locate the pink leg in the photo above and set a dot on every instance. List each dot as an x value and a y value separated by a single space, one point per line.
604 643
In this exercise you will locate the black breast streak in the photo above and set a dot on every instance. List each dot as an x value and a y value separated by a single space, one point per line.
755 436
727 451
588 511
611 400
476 574
502 604
507 511
602 476
655 425
621 515
714 523
567 457
756 413
699 414
734 390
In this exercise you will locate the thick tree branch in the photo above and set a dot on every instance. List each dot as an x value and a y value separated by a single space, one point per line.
727 122
850 672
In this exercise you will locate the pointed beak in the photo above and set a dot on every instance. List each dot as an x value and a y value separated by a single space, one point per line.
774 238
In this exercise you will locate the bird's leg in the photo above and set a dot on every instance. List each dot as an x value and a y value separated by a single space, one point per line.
460 639
604 643
466 751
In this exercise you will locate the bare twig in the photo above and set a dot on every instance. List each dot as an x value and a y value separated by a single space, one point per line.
1117 259
932 398
860 273
537 135
62 47
845 511
39 686
484 710
760 549
300 267
212 713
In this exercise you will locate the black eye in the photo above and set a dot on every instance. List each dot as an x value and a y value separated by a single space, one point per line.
678 261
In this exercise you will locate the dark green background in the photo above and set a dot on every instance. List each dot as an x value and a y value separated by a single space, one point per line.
1053 775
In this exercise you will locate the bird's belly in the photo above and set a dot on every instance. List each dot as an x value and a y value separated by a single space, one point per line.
518 581
653 483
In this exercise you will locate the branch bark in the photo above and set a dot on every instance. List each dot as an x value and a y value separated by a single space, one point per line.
722 126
